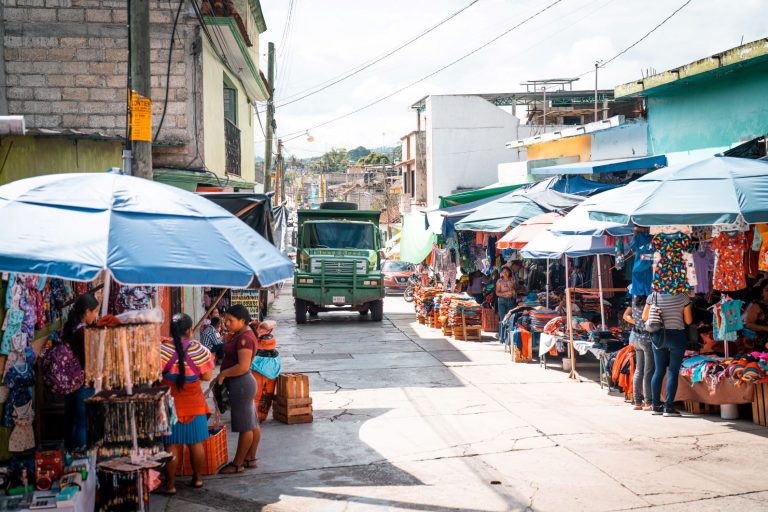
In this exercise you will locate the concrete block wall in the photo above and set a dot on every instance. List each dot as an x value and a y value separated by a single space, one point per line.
66 68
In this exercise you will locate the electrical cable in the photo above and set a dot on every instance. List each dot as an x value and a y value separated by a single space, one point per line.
168 70
287 27
362 67
433 73
625 50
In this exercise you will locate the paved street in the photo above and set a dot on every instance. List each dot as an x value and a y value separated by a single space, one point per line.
406 420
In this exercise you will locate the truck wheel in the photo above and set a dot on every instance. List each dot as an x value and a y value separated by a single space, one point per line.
301 311
377 310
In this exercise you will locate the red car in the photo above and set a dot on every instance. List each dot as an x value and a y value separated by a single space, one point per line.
396 274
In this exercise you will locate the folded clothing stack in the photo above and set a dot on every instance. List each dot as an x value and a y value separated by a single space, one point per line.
540 318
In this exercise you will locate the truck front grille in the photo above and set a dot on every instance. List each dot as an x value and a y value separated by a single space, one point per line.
339 267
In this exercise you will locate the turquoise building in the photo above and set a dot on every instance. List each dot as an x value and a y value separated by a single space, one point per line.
706 106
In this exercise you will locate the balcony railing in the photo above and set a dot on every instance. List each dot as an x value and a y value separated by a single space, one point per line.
232 143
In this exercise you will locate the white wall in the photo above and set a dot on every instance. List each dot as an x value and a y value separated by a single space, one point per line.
466 138
624 141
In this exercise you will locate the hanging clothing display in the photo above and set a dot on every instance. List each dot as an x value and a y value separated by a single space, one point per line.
726 320
669 275
130 298
729 265
763 251
704 263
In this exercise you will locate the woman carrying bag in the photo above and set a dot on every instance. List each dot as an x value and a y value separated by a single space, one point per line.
185 364
236 375
666 316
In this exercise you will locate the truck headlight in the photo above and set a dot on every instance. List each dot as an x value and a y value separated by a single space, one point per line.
370 283
306 281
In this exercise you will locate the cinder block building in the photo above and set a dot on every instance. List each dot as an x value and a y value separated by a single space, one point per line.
64 65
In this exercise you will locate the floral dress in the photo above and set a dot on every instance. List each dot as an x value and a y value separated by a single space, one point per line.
729 264
670 274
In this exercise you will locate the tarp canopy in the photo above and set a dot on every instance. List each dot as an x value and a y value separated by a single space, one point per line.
442 221
549 246
515 208
415 240
603 166
475 195
527 231
259 214
716 190
577 222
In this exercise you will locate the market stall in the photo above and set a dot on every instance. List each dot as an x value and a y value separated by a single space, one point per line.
105 226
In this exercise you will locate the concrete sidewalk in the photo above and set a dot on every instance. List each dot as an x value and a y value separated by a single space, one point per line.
407 420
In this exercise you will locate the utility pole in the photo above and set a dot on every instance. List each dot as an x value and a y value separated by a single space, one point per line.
597 66
280 173
270 118
141 83
544 91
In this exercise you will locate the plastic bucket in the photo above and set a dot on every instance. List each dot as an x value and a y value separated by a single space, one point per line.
729 411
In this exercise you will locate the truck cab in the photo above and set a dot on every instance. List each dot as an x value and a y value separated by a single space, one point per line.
339 262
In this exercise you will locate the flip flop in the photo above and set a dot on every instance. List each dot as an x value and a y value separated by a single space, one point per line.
163 491
251 463
196 485
232 469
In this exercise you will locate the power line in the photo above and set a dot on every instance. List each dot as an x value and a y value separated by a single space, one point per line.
645 36
362 67
288 22
433 73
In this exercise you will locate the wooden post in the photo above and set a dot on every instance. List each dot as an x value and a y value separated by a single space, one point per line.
572 352
210 310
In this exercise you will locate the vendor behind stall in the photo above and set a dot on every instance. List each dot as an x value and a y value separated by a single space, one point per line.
756 315
506 293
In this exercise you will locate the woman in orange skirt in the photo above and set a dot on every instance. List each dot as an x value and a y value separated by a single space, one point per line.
185 364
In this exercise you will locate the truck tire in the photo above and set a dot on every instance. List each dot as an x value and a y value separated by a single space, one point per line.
301 311
377 310
337 205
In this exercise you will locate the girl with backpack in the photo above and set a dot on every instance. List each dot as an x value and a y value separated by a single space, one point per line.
65 375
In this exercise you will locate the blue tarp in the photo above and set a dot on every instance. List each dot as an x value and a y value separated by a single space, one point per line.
603 166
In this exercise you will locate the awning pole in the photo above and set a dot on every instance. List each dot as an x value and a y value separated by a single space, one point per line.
547 283
600 288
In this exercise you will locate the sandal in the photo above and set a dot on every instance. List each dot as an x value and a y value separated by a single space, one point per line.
232 469
164 491
196 484
251 463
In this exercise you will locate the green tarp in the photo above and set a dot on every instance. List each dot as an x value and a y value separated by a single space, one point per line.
475 195
415 241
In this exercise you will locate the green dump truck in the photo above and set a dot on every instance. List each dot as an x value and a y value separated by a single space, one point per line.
338 259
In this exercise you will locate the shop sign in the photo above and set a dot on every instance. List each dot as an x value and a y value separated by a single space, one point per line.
141 118
247 298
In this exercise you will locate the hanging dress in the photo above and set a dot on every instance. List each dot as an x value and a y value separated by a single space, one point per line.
729 265
642 269
670 274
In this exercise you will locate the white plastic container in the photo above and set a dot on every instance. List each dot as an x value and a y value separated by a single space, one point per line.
729 411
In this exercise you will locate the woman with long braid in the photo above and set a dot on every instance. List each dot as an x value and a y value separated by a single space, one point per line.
185 364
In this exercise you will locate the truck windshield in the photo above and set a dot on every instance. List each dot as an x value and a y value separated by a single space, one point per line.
340 235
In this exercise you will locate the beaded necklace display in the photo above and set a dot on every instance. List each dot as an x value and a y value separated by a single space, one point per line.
123 355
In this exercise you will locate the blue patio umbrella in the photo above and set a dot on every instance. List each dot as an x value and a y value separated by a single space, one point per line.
75 226
716 190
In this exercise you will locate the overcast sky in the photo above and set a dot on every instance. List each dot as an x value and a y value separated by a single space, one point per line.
330 37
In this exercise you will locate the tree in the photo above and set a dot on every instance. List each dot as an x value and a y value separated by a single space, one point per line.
374 159
335 160
358 153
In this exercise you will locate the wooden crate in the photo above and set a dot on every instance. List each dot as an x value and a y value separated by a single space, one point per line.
468 333
421 320
438 323
490 320
694 407
292 385
292 403
447 330
760 404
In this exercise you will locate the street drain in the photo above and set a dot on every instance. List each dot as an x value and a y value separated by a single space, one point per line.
321 357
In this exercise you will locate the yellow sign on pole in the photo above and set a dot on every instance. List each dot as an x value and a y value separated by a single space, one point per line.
141 118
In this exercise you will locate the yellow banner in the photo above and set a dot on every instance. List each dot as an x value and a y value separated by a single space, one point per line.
141 118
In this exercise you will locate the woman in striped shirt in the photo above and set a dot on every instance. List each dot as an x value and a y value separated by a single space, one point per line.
185 364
